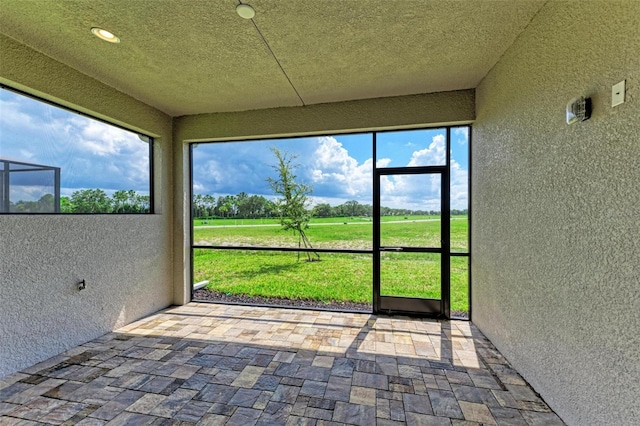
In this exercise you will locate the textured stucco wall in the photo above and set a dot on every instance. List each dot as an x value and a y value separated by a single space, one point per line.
125 259
556 236
393 112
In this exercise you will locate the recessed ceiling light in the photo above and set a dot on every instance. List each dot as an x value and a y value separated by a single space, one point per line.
105 35
245 11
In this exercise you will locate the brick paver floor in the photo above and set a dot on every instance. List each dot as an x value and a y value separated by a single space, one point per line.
210 364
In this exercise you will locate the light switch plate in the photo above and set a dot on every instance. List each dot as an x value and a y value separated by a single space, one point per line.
617 93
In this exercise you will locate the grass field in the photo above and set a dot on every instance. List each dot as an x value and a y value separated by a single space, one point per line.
275 221
337 277
340 233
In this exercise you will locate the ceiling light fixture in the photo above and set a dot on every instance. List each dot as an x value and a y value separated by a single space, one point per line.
105 35
245 11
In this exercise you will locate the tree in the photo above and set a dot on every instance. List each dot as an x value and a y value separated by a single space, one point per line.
351 208
91 201
209 202
119 201
255 206
142 203
197 203
322 210
65 205
292 206
128 201
224 205
46 204
231 204
271 209
241 204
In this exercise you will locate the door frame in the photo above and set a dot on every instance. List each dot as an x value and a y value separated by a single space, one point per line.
440 308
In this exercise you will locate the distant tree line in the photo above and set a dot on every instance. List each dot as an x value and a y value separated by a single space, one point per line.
46 204
244 206
237 206
97 201
87 201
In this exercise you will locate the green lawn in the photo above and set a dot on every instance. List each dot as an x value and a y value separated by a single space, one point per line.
275 221
353 235
337 277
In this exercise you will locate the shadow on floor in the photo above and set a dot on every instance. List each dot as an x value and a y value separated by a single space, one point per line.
211 364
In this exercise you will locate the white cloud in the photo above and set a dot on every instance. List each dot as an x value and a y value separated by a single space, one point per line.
434 155
214 171
333 165
25 154
98 139
12 117
387 185
423 192
29 192
383 162
459 197
230 168
325 164
463 132
90 153
414 192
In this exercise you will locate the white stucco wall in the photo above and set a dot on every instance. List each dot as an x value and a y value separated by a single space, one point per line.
126 260
431 109
556 235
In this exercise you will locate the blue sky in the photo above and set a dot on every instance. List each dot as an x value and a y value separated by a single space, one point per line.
90 153
338 167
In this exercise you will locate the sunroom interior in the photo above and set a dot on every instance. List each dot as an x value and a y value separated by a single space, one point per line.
555 236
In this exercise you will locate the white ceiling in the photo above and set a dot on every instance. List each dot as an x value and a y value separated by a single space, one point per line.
190 57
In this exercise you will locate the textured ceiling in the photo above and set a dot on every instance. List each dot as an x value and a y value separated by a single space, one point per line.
190 57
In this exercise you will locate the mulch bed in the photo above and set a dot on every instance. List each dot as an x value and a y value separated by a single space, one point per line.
214 296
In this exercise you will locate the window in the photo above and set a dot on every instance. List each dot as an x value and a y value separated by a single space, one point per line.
460 220
239 244
53 160
241 252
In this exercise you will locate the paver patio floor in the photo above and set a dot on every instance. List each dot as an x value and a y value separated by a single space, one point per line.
210 364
